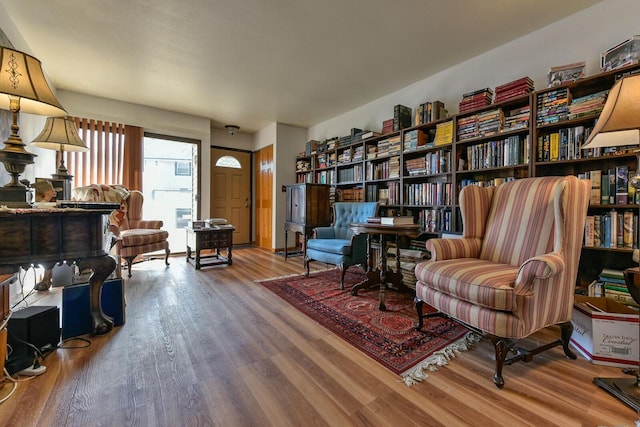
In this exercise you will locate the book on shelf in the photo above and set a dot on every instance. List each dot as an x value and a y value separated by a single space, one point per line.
622 185
373 220
396 220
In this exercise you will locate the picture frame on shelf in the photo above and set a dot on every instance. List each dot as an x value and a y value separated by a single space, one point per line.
561 74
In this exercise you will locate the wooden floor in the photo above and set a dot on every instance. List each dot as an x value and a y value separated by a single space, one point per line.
214 348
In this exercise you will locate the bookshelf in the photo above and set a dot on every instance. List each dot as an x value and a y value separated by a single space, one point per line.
420 170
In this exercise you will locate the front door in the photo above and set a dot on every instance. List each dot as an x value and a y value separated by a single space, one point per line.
231 190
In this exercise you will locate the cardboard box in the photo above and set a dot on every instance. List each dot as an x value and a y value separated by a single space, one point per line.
608 335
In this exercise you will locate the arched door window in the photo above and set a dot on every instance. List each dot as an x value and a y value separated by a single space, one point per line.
228 162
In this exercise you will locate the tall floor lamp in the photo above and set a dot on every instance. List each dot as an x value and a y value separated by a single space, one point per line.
23 87
60 133
619 125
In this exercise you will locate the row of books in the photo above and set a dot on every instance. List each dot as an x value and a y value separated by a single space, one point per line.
429 112
612 284
565 144
613 229
434 220
612 187
588 105
351 174
351 154
488 183
349 195
386 194
511 151
486 123
414 139
428 193
326 177
388 169
435 162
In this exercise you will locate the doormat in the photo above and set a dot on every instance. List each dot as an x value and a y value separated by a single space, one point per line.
387 336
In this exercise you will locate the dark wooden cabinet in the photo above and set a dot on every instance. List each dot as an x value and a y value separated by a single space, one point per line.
307 208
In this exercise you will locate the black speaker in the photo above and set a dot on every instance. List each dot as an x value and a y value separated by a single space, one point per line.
37 326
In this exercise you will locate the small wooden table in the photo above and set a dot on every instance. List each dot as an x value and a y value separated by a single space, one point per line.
215 237
381 275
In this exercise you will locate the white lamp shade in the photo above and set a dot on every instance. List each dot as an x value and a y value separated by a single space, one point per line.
21 77
619 121
60 133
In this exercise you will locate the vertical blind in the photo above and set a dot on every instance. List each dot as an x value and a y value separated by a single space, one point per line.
107 161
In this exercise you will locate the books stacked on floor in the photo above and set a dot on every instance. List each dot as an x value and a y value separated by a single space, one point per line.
515 89
444 133
408 260
553 106
401 117
589 105
476 99
615 287
517 119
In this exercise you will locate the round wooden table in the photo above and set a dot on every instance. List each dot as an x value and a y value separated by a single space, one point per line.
381 275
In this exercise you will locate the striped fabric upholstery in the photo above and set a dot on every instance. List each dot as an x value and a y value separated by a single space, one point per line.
133 235
515 268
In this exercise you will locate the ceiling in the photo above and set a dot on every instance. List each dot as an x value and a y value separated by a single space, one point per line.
255 62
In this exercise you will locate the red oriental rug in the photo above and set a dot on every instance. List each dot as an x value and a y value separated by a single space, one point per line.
386 336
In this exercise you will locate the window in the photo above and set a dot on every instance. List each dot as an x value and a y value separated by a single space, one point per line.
228 162
183 168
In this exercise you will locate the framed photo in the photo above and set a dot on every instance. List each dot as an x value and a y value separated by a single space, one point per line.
58 187
566 73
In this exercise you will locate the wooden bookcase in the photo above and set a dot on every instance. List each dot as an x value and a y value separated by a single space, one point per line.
389 168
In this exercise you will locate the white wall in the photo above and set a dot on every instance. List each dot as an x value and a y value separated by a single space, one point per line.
289 141
580 37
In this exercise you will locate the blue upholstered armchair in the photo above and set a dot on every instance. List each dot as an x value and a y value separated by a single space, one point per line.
336 244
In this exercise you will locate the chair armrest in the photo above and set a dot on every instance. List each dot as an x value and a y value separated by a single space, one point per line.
442 249
323 233
539 267
146 223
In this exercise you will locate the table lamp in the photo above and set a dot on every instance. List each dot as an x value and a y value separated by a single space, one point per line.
60 133
619 125
23 87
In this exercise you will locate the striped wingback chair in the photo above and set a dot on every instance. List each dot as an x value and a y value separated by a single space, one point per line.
514 270
133 235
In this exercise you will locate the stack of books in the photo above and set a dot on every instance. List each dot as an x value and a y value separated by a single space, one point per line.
401 117
553 106
589 105
615 287
476 99
517 119
515 89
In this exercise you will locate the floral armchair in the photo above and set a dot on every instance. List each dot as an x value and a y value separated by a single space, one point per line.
133 235
514 270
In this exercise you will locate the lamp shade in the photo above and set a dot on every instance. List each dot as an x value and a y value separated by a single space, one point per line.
21 77
619 122
60 133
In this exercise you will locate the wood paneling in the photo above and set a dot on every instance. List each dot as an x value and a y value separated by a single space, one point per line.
212 347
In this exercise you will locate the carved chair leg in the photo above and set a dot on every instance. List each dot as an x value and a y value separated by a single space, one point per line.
307 260
129 260
419 304
343 271
502 346
566 329
166 256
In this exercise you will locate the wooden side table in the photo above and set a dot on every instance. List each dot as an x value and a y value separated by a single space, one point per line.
381 275
212 238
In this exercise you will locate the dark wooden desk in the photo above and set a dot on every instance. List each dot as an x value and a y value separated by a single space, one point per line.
48 236
381 275
215 237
